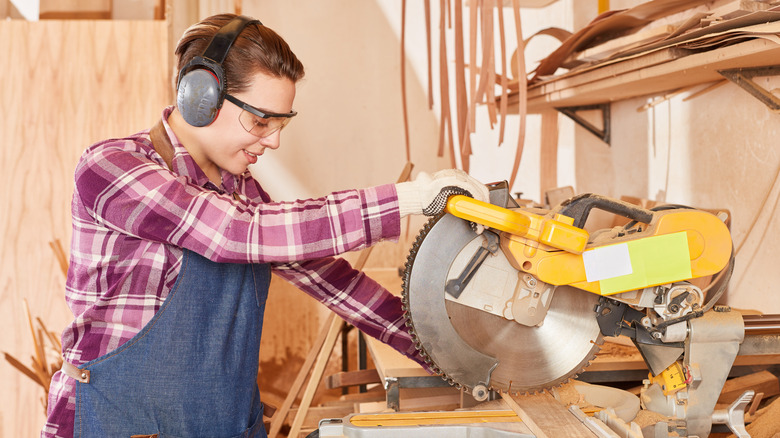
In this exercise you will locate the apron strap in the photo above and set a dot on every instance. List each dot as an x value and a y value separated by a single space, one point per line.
161 142
72 371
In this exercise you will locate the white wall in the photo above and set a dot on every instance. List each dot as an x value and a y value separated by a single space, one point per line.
349 131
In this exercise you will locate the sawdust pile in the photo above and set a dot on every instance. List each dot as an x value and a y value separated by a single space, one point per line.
567 394
648 418
766 422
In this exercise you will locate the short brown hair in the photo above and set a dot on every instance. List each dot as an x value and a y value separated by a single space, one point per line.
257 49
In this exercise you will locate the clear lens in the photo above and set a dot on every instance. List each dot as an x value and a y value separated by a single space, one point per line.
259 126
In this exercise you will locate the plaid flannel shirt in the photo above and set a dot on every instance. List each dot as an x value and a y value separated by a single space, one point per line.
132 216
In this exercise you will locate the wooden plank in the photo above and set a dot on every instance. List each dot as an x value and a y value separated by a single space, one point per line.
737 8
614 45
75 9
678 72
374 394
316 373
762 381
390 363
317 413
547 417
421 402
300 379
352 378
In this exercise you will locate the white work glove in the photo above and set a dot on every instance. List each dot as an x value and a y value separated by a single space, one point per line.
428 194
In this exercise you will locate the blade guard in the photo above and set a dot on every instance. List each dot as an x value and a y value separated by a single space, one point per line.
557 232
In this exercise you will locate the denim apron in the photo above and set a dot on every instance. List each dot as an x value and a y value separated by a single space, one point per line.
192 370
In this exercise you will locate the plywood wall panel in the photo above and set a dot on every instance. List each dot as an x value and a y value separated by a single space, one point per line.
67 85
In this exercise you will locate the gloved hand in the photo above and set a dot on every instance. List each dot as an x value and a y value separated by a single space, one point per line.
428 194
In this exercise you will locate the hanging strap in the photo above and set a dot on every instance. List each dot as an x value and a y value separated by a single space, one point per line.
72 371
161 142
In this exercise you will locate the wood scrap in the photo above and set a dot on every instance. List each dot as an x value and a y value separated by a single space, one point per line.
546 417
762 381
352 378
45 344
706 89
666 96
375 394
59 254
738 8
334 327
603 51
610 25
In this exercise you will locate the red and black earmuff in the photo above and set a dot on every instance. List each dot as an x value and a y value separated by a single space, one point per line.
201 88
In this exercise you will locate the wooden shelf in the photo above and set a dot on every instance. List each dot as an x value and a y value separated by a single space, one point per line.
652 73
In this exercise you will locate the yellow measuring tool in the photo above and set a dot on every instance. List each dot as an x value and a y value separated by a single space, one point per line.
426 418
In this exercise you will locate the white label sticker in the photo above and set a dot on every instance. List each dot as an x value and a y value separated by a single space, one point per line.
607 262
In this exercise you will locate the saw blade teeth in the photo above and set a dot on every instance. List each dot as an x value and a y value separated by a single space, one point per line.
405 292
408 303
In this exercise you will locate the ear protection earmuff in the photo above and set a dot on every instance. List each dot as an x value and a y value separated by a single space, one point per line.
201 88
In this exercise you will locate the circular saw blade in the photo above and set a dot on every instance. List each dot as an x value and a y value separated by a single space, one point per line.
470 347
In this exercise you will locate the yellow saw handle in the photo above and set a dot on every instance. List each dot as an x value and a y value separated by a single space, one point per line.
557 232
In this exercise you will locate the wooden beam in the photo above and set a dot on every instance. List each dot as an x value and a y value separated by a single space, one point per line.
352 378
315 414
649 74
546 416
762 381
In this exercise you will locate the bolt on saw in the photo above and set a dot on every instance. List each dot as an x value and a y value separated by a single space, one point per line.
525 304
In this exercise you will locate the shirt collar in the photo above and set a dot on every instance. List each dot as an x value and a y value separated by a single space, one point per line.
184 165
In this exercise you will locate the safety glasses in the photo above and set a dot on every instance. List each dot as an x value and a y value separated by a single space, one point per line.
260 123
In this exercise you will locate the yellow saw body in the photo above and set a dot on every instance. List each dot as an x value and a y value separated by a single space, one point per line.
676 245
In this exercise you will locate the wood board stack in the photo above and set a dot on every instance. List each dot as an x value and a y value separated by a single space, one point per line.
654 48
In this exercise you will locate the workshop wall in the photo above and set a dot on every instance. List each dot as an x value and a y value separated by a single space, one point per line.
65 85
716 151
75 82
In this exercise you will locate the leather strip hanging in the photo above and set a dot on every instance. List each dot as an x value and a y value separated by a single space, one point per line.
428 45
522 92
161 143
460 76
504 101
479 90
487 79
403 82
446 114
471 119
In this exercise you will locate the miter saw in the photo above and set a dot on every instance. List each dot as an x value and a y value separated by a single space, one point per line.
524 305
